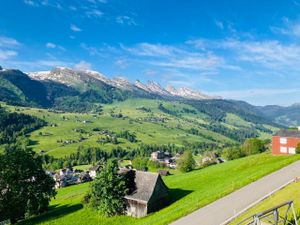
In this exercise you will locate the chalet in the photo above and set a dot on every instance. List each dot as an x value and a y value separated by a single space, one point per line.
158 155
285 141
150 194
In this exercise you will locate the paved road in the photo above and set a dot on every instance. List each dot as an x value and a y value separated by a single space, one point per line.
220 211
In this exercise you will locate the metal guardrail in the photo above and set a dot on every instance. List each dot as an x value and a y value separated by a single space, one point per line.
272 216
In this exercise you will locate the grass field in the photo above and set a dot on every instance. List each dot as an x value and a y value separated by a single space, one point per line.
188 192
151 127
290 192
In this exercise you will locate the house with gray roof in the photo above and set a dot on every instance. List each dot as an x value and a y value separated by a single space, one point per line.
150 194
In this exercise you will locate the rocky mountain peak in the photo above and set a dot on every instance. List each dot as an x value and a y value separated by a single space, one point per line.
156 88
73 77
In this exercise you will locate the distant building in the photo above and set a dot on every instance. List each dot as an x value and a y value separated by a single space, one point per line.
158 155
150 194
285 141
93 171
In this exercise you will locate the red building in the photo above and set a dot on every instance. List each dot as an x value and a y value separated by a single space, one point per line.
285 141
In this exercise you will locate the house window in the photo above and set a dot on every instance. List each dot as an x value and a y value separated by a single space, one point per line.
283 149
292 150
283 141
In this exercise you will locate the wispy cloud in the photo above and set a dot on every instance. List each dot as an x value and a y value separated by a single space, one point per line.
51 45
122 63
6 54
30 3
148 49
288 27
219 24
126 20
94 13
175 57
83 65
271 54
8 47
8 42
239 94
75 28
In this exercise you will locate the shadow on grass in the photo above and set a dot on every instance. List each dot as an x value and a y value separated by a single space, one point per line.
53 213
33 142
176 194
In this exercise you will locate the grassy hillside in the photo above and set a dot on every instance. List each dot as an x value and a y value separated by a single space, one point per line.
152 121
291 192
188 192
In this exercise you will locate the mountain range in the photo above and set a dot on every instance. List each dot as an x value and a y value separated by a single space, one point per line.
83 90
79 78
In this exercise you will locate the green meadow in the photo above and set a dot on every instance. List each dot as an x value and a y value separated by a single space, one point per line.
188 192
152 126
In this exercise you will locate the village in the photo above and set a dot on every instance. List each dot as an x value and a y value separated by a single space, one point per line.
147 183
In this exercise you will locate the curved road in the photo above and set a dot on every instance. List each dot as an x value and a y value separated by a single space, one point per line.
223 210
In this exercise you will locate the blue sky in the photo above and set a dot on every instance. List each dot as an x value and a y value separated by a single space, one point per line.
238 49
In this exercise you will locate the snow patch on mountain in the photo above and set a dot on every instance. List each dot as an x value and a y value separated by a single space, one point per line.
73 77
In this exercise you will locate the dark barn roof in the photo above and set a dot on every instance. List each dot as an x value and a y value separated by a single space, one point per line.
95 168
288 133
145 185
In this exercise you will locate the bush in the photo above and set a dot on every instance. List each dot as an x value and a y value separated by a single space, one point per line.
186 162
253 146
140 163
233 153
298 149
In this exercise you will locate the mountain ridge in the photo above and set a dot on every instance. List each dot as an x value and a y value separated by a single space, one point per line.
70 77
84 91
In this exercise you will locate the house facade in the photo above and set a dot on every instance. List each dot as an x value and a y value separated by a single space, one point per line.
285 142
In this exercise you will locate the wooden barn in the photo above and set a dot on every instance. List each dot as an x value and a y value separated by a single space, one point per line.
150 194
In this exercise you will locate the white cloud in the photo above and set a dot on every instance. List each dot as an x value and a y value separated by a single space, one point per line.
8 42
196 62
126 20
50 45
55 46
122 63
271 54
83 65
6 54
147 49
219 24
175 57
75 28
94 13
240 94
30 2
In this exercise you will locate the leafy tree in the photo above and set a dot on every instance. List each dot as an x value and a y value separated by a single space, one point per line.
25 187
108 190
140 163
253 146
298 149
186 162
233 153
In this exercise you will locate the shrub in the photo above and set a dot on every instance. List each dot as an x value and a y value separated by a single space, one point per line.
140 163
233 153
186 162
253 146
298 149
